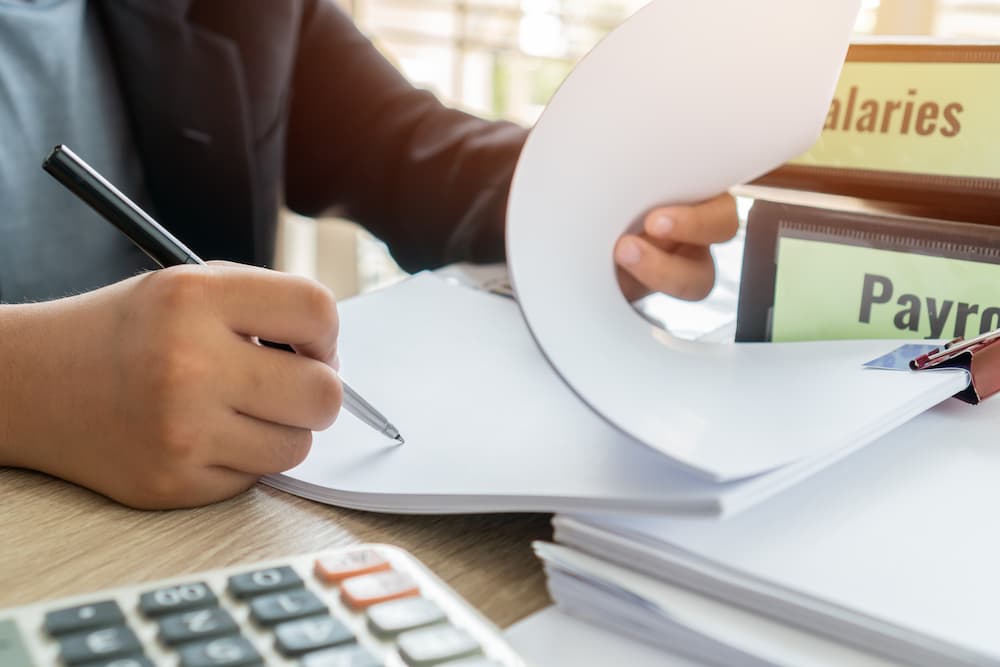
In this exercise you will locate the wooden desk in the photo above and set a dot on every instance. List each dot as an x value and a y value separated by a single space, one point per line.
57 539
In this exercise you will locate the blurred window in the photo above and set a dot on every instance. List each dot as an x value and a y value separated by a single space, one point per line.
505 58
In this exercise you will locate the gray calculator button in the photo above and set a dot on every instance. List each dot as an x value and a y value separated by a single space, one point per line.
342 656
224 652
473 662
391 618
310 634
172 599
84 617
287 606
133 661
13 650
198 624
264 581
430 646
103 644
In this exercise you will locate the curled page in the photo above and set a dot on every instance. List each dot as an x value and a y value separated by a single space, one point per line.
681 102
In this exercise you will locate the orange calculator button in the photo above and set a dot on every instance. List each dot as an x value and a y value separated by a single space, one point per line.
334 569
366 590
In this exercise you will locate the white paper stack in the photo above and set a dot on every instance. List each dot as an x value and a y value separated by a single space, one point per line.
490 427
894 551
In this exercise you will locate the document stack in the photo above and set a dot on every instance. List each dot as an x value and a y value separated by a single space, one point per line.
888 557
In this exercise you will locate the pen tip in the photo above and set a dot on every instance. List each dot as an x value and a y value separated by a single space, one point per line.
393 433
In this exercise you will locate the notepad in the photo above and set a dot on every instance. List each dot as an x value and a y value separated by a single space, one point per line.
490 427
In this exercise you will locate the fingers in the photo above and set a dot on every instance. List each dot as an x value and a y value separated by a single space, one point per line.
213 464
283 388
686 273
714 221
672 253
277 306
630 287
198 487
232 455
256 447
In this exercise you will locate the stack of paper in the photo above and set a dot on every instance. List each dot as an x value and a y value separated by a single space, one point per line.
893 551
490 427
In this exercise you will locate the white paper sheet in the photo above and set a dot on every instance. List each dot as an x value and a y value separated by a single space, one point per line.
681 102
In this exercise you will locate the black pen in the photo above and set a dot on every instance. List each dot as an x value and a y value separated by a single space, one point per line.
163 247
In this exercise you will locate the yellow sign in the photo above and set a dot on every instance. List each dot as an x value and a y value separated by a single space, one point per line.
826 291
922 118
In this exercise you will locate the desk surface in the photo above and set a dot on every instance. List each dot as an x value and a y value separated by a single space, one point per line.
57 539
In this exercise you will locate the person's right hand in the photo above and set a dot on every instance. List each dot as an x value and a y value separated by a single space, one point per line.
154 392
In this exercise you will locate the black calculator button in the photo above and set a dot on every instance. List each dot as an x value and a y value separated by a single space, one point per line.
342 656
103 644
310 634
198 624
84 617
131 661
172 599
430 646
391 618
287 606
223 652
264 581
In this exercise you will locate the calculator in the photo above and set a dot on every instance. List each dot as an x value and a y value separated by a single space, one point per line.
363 606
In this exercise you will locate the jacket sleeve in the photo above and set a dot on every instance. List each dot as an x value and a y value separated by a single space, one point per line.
432 182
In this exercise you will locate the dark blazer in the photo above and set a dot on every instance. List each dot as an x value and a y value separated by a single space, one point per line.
239 106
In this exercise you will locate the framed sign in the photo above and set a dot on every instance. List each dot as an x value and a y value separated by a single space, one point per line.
820 274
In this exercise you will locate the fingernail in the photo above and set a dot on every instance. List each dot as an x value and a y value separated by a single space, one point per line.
336 362
628 253
662 226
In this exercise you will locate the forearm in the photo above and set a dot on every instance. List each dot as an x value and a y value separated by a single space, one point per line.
54 383
430 181
19 333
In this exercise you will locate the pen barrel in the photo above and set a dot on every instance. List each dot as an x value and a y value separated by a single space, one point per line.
365 411
161 246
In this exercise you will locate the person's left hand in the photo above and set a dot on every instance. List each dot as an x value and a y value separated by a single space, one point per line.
673 254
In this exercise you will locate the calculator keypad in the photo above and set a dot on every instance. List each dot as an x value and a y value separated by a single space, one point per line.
360 607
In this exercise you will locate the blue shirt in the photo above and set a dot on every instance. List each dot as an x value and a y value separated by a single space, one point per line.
58 85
